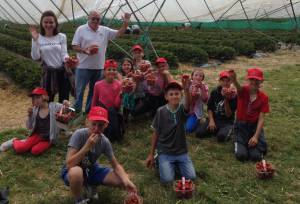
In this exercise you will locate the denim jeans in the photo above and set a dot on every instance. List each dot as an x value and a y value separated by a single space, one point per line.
82 78
167 164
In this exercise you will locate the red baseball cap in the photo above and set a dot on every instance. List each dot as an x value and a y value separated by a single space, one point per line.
110 63
223 74
137 47
38 91
255 73
98 113
161 60
173 85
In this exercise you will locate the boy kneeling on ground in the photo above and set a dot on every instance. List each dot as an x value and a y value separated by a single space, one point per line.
221 108
169 135
84 148
250 142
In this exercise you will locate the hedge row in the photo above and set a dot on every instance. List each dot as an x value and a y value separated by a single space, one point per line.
18 46
23 71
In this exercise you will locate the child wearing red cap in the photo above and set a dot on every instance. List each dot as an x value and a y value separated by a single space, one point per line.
155 91
107 94
82 169
169 135
221 107
250 142
199 93
41 122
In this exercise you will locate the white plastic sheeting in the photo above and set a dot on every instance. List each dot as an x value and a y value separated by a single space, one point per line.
29 11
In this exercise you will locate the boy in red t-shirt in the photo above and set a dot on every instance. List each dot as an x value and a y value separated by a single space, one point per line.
250 141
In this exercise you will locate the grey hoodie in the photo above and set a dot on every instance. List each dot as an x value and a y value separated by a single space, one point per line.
54 129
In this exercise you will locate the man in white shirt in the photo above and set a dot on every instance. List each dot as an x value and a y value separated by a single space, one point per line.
90 42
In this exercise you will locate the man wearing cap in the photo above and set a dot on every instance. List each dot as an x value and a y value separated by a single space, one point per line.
85 147
221 108
250 142
41 121
90 42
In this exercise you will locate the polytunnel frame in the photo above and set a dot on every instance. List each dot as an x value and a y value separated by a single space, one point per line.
133 12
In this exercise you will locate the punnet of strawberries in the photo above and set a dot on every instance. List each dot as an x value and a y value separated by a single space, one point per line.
65 115
94 49
127 85
150 78
264 170
133 198
229 92
138 75
144 67
184 188
185 76
72 61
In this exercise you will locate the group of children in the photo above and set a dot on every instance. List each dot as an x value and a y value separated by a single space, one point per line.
178 108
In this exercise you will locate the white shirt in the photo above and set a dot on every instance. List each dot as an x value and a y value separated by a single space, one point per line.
85 37
51 50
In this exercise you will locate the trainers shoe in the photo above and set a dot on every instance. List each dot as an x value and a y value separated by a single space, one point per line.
91 192
84 201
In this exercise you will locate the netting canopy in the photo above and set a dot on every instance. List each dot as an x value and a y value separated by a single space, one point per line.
156 11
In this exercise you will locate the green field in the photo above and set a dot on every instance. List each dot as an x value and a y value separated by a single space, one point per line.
221 178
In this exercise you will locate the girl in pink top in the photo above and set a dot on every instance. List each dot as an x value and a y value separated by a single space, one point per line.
107 94
199 93
107 91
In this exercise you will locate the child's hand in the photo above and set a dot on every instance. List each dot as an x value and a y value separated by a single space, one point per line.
150 161
30 111
232 75
66 103
253 141
130 187
92 140
212 126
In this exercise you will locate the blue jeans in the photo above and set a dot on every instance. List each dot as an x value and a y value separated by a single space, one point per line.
167 165
82 78
191 123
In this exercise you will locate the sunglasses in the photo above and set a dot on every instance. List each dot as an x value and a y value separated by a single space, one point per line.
95 19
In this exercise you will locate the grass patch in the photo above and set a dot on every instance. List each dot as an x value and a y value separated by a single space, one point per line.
221 179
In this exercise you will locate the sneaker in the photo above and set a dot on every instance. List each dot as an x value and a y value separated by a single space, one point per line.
91 192
84 201
6 145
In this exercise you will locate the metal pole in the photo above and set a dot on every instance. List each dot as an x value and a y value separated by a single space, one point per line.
26 12
35 7
72 5
140 12
111 20
6 13
183 12
60 11
295 18
16 12
228 10
103 16
82 7
161 13
143 6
